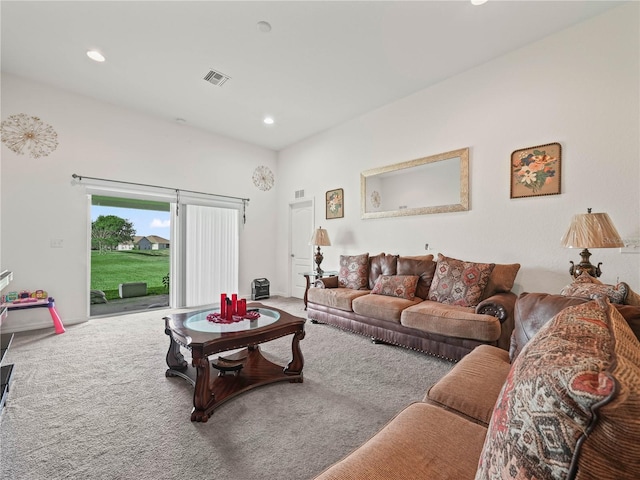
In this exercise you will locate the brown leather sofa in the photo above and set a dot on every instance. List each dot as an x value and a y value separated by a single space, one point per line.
445 330
534 417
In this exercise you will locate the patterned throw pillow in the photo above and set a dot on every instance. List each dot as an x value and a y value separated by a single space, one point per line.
457 282
354 271
569 404
615 293
402 286
424 267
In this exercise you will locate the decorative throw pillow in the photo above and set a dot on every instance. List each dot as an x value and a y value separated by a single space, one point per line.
354 271
457 282
402 286
424 267
501 279
568 408
615 293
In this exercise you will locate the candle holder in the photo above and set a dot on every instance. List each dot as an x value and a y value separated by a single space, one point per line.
232 310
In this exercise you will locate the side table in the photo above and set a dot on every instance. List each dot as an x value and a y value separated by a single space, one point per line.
314 275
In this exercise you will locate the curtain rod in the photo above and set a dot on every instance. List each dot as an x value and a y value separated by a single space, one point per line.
80 177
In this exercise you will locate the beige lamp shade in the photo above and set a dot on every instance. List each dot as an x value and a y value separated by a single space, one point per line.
320 238
591 230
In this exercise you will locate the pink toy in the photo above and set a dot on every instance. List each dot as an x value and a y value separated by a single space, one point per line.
21 303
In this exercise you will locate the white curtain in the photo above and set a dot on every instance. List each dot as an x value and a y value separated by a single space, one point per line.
211 253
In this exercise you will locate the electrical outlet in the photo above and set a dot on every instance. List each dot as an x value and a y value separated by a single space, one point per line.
55 243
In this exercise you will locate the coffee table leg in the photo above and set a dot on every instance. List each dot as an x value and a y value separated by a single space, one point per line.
202 395
297 362
175 359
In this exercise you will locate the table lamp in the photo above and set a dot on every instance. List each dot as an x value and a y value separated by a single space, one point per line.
590 230
320 238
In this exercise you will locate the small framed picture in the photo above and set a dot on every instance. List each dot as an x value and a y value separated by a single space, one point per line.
536 171
335 203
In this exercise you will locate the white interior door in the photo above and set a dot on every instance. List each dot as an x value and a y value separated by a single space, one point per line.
301 228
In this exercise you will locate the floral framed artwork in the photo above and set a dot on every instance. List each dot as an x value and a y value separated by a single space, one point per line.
335 203
536 171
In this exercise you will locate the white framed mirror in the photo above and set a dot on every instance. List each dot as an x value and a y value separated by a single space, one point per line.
434 184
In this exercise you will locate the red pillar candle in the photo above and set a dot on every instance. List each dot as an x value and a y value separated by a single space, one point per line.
223 305
234 303
242 307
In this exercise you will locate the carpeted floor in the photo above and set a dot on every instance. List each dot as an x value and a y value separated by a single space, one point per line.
94 403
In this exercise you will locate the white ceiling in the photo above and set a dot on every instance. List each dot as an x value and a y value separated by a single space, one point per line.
323 63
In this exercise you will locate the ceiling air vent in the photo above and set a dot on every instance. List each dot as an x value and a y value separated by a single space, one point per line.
216 78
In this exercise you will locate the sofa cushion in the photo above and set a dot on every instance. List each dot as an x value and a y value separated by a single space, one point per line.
422 442
354 271
472 387
531 312
569 407
451 321
615 293
501 279
401 286
633 298
631 314
340 298
381 264
457 282
382 307
424 267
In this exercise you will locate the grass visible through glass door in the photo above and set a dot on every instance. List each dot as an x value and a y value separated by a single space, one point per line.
110 269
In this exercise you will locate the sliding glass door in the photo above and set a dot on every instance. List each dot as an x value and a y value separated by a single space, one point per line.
204 239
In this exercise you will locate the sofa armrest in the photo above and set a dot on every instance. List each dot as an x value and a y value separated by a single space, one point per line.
501 306
327 282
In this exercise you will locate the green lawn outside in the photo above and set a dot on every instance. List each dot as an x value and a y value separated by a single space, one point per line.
110 269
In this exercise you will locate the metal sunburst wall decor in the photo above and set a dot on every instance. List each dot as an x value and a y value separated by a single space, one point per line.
263 178
22 131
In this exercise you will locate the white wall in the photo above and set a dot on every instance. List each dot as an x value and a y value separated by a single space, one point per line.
96 139
579 87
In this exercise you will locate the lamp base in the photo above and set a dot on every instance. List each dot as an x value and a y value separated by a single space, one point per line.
318 257
585 266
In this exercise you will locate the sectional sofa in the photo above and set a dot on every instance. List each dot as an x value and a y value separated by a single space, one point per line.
445 308
562 405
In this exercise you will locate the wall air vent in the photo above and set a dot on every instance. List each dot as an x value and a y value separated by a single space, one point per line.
216 78
299 193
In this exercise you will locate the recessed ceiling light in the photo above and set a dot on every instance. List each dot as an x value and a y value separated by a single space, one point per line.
478 2
264 27
269 120
96 56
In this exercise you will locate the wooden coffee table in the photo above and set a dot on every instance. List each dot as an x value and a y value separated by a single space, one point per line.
239 372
